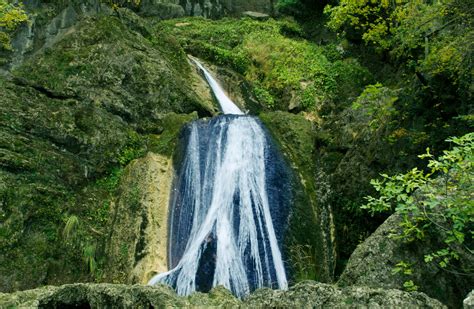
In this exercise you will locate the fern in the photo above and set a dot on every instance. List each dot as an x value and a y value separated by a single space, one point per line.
72 223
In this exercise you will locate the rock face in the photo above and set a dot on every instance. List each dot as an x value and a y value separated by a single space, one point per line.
310 241
255 15
71 118
220 8
318 295
137 248
303 295
161 9
373 261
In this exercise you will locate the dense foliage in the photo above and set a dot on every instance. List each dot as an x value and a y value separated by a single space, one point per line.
11 16
284 70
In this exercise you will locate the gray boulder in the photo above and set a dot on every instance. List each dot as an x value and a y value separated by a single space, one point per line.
256 15
160 9
373 262
468 302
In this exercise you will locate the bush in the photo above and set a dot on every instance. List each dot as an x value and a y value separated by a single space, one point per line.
11 16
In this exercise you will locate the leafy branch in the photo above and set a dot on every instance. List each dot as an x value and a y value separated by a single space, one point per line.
441 200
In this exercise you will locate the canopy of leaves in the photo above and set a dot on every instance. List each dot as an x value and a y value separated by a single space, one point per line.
11 16
434 37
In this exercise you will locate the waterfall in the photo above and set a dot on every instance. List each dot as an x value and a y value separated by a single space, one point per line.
229 206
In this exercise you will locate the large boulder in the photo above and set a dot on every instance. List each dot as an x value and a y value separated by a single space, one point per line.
220 8
373 262
160 9
311 294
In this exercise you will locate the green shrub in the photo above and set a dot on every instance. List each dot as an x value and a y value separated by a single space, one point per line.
11 17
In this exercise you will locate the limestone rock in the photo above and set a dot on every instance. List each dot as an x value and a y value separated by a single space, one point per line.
310 294
255 15
70 115
236 7
137 249
220 8
373 261
161 9
468 302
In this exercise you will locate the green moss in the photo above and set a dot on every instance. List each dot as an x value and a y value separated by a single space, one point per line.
72 118
166 142
306 245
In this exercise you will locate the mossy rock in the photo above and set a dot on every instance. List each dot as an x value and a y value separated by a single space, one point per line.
71 118
308 294
309 243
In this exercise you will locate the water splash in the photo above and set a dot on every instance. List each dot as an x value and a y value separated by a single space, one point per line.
221 226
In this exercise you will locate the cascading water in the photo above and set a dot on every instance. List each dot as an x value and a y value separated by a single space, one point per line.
229 206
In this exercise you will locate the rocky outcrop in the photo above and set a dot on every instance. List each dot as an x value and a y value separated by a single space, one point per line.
137 248
304 295
373 262
220 8
255 15
237 7
318 295
160 9
43 30
71 118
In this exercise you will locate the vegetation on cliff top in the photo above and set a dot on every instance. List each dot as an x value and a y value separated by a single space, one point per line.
286 71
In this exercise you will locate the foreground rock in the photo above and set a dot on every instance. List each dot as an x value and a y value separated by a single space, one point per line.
305 294
373 261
